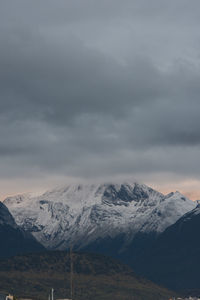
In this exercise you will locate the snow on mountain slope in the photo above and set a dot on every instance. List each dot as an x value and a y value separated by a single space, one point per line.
80 214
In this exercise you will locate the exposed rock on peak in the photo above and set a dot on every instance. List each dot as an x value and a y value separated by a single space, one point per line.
80 214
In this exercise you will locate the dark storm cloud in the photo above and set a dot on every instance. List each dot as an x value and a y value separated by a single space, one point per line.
59 81
99 88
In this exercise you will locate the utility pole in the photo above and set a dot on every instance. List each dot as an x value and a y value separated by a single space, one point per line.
52 296
71 274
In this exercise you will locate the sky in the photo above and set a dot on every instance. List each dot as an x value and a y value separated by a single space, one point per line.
99 91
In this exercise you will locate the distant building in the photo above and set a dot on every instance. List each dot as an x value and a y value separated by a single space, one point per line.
10 297
189 298
2 296
6 297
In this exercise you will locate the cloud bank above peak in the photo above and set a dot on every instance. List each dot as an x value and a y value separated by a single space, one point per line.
99 89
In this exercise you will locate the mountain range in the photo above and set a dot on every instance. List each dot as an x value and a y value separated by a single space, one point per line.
79 215
155 234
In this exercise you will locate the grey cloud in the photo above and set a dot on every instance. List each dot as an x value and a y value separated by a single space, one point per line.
57 82
95 89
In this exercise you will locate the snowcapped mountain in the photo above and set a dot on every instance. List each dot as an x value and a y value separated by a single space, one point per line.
13 239
79 215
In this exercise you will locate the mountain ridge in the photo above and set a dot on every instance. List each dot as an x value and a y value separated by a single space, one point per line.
78 215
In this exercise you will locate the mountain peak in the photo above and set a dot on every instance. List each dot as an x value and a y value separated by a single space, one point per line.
177 195
82 213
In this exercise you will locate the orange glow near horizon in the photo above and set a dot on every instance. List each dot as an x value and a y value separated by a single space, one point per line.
192 195
190 188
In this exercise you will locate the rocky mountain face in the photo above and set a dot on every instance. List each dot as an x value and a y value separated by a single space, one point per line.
5 217
115 219
13 239
173 259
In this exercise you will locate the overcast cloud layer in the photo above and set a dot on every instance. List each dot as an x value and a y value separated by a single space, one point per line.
99 90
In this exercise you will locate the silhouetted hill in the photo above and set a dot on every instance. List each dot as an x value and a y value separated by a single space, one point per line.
13 239
95 277
173 260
